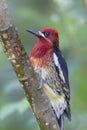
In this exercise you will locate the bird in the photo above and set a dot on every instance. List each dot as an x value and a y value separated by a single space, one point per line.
50 65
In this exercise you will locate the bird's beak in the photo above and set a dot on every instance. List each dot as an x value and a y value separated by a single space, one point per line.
36 33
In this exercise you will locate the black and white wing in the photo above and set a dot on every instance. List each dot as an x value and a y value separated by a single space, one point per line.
61 67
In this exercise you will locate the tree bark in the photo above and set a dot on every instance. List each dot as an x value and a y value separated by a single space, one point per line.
24 71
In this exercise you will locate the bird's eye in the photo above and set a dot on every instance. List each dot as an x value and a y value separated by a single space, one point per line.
46 34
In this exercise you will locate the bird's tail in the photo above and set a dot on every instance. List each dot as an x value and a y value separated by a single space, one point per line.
59 107
61 122
58 104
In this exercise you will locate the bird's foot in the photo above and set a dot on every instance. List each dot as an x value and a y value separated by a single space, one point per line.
41 84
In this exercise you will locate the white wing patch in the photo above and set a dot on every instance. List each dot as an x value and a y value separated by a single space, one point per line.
55 58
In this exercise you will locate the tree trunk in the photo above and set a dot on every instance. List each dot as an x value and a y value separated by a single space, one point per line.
24 71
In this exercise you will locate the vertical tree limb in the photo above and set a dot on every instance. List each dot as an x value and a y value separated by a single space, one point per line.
24 71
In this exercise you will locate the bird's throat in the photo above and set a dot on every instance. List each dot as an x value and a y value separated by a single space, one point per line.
40 51
40 56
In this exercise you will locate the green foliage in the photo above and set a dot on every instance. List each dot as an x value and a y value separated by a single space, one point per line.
70 18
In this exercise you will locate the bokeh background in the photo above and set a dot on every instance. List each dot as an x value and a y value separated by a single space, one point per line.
69 17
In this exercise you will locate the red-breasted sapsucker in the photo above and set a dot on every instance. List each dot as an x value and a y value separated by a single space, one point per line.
48 61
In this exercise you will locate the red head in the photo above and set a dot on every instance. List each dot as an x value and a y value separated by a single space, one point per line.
47 39
52 35
47 35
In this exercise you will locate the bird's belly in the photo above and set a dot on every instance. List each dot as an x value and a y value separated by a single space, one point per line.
51 94
58 101
52 89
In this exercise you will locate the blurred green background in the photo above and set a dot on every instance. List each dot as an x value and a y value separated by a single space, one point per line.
69 17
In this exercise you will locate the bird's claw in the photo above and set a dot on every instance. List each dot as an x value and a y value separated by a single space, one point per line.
41 84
